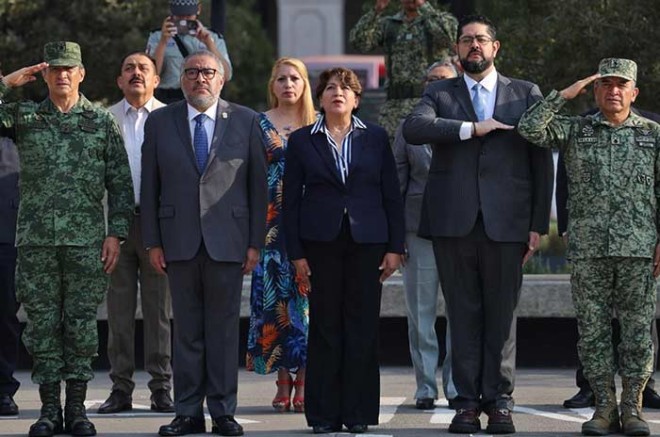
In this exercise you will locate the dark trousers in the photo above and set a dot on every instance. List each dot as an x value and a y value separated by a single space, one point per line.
582 381
9 326
134 266
342 383
481 282
206 300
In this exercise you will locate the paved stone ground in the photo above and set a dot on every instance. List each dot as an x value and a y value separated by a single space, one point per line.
539 394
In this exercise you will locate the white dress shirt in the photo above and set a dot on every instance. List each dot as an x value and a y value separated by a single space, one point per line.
209 123
132 128
489 84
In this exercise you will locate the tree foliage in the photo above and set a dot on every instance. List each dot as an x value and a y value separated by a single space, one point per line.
556 43
107 30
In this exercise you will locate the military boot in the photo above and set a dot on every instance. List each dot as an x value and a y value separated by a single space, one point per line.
631 407
50 419
75 417
606 417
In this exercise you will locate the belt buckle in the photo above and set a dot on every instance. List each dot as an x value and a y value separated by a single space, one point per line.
136 210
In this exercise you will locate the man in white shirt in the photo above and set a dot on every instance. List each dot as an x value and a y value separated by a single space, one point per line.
137 80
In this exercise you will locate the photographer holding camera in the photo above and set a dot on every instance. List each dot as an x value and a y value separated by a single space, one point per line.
181 34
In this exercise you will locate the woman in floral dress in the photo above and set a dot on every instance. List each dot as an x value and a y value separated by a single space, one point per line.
277 340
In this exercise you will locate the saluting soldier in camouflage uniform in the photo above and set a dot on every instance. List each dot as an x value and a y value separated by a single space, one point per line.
70 152
412 39
613 167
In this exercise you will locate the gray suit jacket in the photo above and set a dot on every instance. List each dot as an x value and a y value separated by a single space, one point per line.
225 206
412 166
501 175
8 190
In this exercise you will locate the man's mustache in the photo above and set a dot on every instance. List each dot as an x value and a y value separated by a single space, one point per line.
135 79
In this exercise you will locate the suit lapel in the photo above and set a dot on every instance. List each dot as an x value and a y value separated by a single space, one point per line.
359 142
320 143
222 118
464 99
183 129
502 97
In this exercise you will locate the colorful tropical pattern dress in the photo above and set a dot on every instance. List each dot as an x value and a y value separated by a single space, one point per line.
279 307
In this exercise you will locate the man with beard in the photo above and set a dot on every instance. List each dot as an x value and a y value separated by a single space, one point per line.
203 202
412 39
137 80
486 203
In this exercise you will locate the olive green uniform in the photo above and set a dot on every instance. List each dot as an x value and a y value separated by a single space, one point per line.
614 186
410 47
68 161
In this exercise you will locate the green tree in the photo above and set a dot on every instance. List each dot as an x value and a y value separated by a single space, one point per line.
556 43
107 30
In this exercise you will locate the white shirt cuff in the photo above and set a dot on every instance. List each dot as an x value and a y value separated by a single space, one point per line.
466 130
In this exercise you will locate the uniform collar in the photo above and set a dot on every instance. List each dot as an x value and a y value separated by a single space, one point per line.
82 105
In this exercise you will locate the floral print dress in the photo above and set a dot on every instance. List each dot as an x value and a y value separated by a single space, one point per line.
279 307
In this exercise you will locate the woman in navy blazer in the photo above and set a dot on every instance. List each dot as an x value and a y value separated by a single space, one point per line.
344 231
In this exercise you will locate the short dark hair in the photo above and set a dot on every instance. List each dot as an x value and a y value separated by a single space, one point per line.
145 54
481 19
346 76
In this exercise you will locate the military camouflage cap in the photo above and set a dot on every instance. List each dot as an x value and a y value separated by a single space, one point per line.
62 54
184 7
618 67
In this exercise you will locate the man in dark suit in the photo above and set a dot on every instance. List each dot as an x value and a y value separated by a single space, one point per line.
486 203
203 204
585 395
9 325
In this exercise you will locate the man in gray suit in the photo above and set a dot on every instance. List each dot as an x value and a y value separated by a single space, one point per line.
137 80
420 275
203 203
486 204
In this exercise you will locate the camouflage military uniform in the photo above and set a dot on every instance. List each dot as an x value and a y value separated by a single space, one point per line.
68 160
614 186
410 47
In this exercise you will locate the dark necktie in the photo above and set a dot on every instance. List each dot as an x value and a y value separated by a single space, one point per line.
201 143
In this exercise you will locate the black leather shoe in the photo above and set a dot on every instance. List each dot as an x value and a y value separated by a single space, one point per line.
582 399
325 429
161 401
8 407
650 398
226 425
117 402
425 404
500 421
182 425
465 421
357 429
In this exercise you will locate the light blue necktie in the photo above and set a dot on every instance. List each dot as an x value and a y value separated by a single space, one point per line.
201 143
479 102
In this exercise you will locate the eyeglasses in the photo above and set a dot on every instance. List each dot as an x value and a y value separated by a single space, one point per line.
193 73
481 40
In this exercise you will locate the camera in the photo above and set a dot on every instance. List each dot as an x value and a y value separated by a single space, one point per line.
186 27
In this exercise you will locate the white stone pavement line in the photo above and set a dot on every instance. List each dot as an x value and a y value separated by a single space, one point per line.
388 407
548 414
140 410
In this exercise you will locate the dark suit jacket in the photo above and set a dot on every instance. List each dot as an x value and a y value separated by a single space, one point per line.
225 206
315 198
8 190
561 193
502 175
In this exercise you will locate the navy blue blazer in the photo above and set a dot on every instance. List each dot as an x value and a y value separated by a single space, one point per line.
315 198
